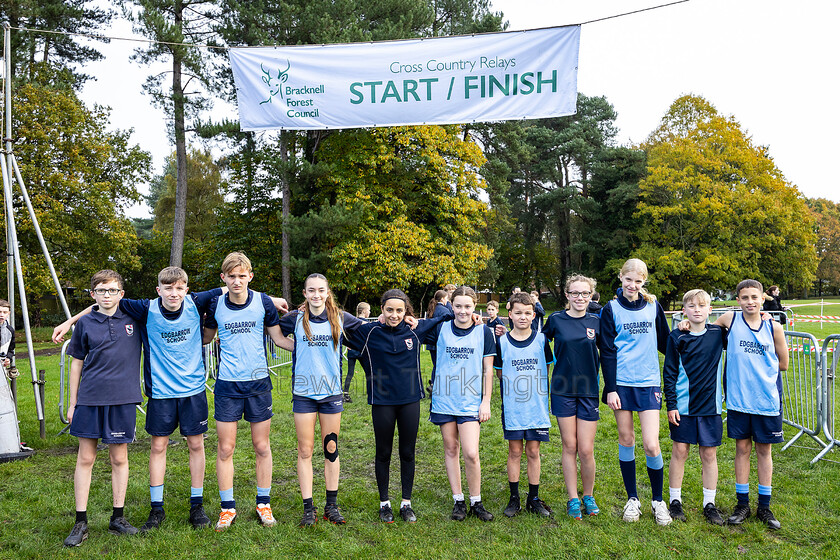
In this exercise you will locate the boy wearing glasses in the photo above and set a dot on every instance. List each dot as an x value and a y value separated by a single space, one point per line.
104 389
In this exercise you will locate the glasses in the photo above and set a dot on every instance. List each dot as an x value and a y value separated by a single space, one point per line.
109 291
579 294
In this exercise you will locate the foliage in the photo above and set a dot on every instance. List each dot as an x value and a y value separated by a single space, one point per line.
417 193
204 196
63 49
80 179
826 216
715 209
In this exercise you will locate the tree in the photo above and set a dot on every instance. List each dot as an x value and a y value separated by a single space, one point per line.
80 178
416 190
826 216
715 208
171 23
62 49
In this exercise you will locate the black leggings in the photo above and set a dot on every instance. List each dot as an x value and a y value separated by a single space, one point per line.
351 367
385 418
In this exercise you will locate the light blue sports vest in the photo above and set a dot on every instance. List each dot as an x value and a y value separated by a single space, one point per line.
524 385
459 372
753 383
175 352
241 340
317 371
637 358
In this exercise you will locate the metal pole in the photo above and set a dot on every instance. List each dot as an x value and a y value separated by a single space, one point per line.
7 105
24 307
59 292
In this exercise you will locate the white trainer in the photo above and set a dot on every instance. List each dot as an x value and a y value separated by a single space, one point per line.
661 513
265 516
633 510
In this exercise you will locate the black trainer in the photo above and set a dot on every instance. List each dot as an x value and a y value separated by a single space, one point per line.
347 397
310 516
766 516
513 507
332 514
739 515
478 510
712 514
408 514
536 505
385 514
459 511
676 511
121 526
198 518
77 535
156 517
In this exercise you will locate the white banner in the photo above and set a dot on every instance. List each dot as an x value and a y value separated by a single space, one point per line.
490 77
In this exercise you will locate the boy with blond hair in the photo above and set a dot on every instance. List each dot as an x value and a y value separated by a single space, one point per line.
693 395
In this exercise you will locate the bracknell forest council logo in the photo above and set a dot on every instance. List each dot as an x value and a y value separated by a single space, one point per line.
275 83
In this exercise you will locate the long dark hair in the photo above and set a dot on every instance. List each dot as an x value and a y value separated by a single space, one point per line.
439 295
398 294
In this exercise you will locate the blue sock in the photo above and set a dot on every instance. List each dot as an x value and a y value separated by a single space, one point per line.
156 493
196 496
742 492
656 473
226 497
627 463
263 495
764 494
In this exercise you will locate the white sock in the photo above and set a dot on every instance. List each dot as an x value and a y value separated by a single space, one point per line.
405 503
385 503
675 494
708 496
474 499
458 497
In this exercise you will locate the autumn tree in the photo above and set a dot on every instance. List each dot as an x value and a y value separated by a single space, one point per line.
715 208
826 216
80 179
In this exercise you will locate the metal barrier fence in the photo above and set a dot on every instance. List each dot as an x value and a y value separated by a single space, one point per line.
830 354
802 388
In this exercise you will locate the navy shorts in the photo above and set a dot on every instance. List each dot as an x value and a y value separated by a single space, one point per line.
639 398
328 405
761 429
256 408
537 434
190 413
585 408
439 419
111 423
698 430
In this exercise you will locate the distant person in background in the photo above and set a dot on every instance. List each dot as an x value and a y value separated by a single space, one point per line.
362 312
594 306
773 302
539 311
7 338
438 307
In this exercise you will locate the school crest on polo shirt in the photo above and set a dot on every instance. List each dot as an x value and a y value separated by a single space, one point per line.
590 333
129 330
409 343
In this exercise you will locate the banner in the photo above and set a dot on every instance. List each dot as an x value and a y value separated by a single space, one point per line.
449 80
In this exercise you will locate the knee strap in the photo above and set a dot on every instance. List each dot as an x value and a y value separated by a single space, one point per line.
331 456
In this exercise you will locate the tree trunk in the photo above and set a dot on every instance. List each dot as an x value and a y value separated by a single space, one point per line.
287 201
176 252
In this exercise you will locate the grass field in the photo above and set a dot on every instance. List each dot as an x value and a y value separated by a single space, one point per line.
36 499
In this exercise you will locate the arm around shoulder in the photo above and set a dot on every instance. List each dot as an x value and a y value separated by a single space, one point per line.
781 345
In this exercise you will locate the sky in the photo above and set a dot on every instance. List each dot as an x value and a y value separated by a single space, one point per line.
768 63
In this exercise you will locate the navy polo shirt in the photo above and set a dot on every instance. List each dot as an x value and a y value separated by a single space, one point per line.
110 348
